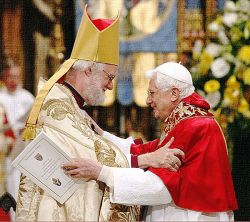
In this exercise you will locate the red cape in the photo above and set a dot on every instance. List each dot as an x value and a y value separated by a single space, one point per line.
203 182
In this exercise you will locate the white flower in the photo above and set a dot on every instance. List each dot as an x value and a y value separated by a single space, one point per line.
229 57
230 6
243 17
226 102
197 46
213 49
193 69
243 5
213 27
213 98
201 93
236 93
220 67
229 19
222 37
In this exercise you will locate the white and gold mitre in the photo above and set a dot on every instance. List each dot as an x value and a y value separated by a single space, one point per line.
97 40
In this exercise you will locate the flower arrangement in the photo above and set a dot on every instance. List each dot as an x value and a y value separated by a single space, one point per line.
221 69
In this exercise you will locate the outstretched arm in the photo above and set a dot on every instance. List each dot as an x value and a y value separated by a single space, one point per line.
161 158
127 185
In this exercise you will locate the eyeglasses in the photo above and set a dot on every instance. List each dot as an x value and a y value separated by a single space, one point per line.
110 76
151 93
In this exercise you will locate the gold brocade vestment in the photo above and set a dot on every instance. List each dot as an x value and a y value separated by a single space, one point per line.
61 118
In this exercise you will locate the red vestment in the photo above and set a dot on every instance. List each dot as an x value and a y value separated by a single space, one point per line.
203 182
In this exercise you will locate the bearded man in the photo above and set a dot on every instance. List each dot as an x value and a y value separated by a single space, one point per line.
57 111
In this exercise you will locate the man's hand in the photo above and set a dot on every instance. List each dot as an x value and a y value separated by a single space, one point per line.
82 168
162 158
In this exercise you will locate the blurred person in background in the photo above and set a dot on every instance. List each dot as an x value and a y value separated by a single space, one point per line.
16 100
17 103
7 139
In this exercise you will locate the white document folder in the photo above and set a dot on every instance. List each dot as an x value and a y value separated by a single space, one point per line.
41 162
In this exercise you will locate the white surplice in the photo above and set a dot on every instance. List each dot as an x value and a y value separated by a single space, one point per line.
17 105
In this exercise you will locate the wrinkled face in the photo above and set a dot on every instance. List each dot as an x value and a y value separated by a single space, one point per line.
160 101
100 81
11 78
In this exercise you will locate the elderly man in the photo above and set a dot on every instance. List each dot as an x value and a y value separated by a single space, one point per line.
58 111
17 103
82 79
202 188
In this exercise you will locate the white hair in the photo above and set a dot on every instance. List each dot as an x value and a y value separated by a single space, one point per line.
84 64
165 82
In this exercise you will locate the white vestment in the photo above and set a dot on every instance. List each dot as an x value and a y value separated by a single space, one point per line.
17 105
61 118
130 186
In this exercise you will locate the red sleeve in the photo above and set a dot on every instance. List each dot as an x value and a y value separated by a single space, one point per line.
9 134
203 182
144 148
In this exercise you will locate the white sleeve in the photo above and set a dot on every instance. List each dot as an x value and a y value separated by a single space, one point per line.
123 144
133 186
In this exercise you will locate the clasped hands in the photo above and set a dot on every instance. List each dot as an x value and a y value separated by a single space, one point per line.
161 158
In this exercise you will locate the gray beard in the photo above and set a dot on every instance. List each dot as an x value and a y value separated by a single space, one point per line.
95 96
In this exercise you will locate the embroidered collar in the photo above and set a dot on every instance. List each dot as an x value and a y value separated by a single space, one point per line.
184 111
80 101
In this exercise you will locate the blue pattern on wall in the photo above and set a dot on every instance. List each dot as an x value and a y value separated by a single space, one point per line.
164 40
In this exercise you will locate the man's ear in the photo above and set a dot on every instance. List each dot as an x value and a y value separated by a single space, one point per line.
175 94
88 71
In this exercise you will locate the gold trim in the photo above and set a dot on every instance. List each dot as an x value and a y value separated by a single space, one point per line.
30 129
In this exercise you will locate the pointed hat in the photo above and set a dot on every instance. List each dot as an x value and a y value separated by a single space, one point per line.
97 40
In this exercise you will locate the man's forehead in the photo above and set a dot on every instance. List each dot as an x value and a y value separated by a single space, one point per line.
111 69
152 84
110 66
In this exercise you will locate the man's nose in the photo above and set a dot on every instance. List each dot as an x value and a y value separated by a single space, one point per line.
149 100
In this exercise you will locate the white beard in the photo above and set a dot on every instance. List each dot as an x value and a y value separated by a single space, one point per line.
96 96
